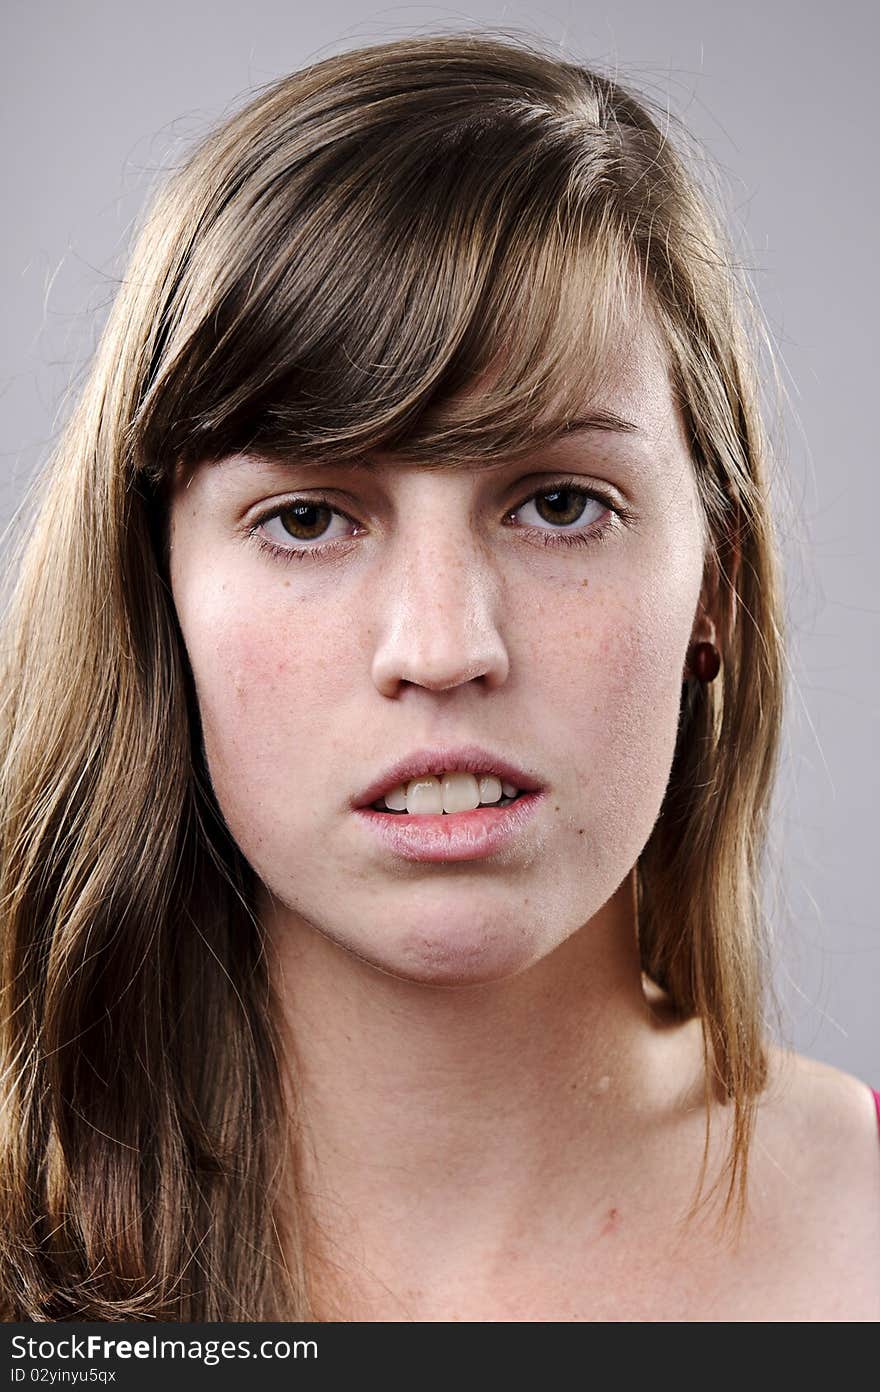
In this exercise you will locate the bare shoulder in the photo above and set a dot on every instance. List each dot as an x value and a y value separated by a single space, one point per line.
815 1183
824 1115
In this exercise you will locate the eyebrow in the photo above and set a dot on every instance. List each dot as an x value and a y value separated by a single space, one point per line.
597 420
608 421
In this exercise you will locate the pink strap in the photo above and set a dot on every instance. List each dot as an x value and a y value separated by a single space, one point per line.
877 1104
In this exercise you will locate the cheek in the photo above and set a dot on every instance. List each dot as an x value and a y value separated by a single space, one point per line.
264 683
611 684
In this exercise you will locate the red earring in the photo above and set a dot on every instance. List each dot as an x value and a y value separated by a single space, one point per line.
705 661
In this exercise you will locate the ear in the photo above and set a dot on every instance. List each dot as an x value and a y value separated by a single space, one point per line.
717 611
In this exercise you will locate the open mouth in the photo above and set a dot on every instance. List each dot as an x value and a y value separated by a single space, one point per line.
503 801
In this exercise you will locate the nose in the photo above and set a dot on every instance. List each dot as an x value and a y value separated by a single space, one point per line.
437 619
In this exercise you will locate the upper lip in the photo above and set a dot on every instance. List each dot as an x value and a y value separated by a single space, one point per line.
466 758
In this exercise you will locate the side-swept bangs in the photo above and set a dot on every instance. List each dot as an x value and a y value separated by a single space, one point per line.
337 297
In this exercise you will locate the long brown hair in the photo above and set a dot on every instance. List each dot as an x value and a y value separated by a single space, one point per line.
324 273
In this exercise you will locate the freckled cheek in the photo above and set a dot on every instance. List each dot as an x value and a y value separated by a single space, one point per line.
264 683
611 680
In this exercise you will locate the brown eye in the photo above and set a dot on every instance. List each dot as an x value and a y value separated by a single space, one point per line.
562 505
305 521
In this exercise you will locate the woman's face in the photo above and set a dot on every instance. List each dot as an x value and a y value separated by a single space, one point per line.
436 615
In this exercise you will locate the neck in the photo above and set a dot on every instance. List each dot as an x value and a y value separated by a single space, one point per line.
464 1105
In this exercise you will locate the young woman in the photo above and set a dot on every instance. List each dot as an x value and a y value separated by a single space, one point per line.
392 692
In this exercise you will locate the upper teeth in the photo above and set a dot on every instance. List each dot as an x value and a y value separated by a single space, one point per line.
448 792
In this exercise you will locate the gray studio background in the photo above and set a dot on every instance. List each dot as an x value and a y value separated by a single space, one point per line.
98 97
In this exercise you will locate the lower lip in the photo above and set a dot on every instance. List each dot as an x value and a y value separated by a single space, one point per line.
452 835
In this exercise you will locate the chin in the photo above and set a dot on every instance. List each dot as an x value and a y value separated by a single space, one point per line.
450 957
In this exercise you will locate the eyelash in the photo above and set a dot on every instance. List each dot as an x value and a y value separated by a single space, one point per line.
595 534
